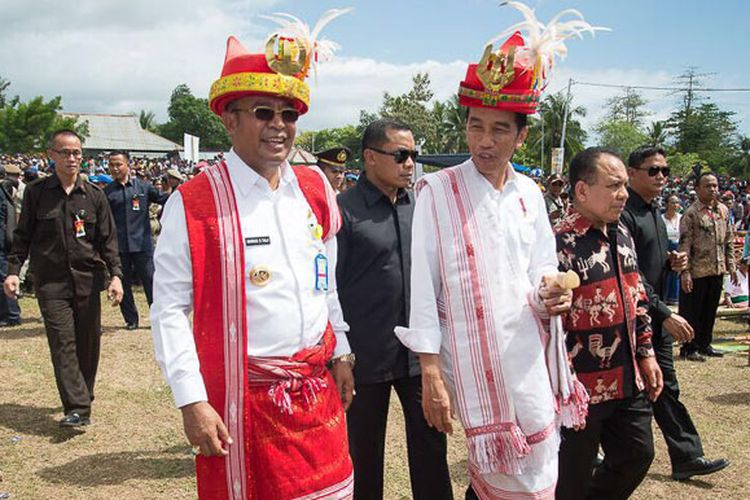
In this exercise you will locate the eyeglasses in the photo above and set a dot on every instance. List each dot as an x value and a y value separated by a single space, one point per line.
266 113
399 156
75 153
653 171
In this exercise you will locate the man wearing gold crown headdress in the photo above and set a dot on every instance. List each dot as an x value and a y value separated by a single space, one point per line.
249 247
484 317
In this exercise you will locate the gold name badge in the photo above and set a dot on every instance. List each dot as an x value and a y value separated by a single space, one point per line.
260 275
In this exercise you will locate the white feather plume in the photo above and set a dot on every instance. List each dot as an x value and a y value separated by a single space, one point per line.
545 42
318 50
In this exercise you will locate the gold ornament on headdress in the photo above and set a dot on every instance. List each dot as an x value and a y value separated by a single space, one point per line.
298 47
495 70
286 55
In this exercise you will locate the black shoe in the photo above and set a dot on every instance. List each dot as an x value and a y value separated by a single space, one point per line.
695 356
711 352
131 326
74 420
5 323
698 467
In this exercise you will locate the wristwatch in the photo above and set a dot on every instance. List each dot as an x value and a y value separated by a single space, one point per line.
344 358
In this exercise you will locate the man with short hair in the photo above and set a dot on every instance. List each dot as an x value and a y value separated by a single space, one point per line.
374 292
130 199
608 336
66 227
248 246
333 164
706 237
648 173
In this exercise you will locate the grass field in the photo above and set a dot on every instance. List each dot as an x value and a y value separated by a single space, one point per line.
135 448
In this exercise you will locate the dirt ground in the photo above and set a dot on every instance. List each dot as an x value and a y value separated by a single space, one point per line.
135 448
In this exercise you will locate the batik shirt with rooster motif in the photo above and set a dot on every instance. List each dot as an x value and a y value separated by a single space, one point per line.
607 328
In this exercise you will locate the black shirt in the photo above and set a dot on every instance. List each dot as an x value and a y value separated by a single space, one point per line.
129 203
70 237
649 233
372 274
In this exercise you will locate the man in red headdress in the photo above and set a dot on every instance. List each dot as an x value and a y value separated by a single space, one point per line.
484 315
248 246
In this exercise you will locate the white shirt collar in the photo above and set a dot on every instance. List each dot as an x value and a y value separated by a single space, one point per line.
245 177
481 181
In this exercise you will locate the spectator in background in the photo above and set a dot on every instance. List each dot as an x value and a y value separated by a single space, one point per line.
173 180
333 164
10 312
130 199
553 200
672 218
736 293
706 236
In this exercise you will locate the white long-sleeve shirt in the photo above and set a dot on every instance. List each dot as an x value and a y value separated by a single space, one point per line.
284 316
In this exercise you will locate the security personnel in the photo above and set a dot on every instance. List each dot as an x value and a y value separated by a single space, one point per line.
129 198
333 163
66 226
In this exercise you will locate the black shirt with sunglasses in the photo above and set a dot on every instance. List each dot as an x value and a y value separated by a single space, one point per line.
649 232
372 278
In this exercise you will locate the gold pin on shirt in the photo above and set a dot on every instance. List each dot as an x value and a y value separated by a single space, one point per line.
260 275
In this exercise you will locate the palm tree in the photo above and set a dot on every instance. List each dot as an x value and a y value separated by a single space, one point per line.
453 127
657 133
147 120
552 111
743 159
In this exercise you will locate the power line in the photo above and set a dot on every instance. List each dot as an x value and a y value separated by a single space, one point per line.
647 87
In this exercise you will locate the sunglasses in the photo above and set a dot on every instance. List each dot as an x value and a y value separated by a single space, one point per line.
653 171
266 113
399 156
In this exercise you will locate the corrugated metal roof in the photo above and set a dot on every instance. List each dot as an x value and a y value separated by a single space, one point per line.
121 132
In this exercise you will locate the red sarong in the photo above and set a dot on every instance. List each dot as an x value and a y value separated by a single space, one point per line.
276 455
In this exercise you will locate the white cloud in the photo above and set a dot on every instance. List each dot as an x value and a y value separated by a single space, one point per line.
109 56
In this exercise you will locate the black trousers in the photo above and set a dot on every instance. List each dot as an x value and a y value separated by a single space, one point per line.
699 309
366 423
74 334
623 428
142 265
683 441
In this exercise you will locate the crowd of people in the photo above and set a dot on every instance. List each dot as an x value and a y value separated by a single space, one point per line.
287 302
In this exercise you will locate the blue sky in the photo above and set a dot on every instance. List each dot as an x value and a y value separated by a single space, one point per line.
121 57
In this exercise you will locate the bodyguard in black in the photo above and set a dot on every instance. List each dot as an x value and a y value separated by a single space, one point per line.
66 226
648 172
130 197
372 276
10 312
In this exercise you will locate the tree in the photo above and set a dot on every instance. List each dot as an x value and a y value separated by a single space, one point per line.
682 164
26 127
620 136
147 119
706 130
320 140
551 112
4 84
657 133
627 107
191 115
411 109
741 166
452 126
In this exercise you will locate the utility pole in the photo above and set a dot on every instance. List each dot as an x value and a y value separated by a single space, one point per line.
565 117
